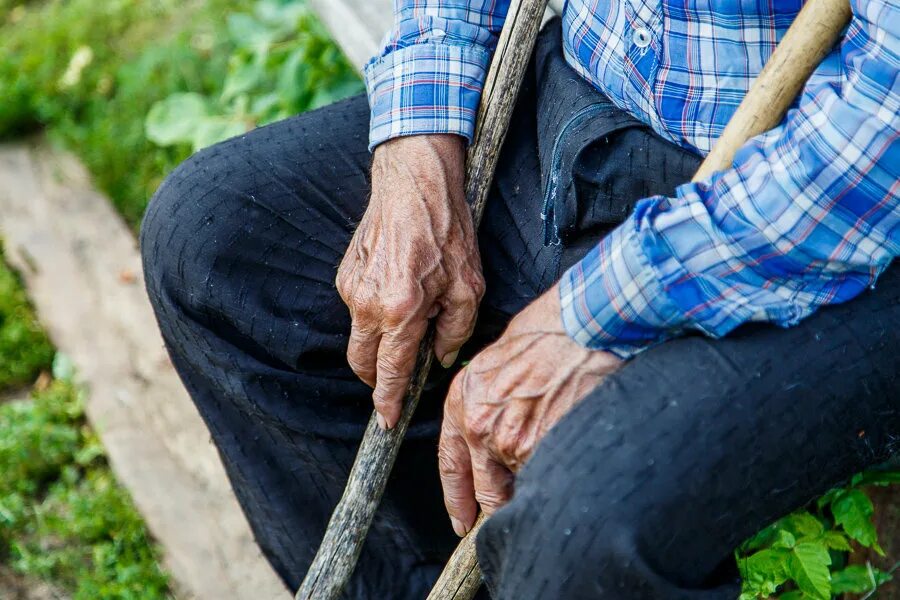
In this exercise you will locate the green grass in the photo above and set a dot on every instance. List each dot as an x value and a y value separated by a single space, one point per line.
133 52
24 348
63 518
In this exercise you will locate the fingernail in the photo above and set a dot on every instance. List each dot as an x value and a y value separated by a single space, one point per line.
458 527
381 422
449 359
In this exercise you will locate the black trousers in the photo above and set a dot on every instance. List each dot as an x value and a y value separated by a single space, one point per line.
642 491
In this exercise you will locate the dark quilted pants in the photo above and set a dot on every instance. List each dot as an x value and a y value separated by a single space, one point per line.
641 492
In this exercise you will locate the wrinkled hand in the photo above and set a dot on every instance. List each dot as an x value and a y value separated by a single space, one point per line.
413 257
507 398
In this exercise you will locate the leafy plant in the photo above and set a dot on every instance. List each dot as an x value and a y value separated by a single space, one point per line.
24 348
803 556
89 72
62 516
283 64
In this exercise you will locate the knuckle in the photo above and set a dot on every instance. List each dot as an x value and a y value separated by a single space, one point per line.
508 448
478 288
397 308
479 421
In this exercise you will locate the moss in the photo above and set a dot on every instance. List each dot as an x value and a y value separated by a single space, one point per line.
63 518
24 348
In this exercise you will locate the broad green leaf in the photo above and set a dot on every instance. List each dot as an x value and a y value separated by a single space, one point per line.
835 540
853 510
808 567
802 524
875 477
292 85
265 108
247 32
793 595
827 498
325 96
242 77
282 14
761 539
216 129
857 579
784 539
175 119
765 570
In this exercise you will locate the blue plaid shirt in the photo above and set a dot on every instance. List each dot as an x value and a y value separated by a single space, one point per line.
807 215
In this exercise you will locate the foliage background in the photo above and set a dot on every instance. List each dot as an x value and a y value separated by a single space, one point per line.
87 73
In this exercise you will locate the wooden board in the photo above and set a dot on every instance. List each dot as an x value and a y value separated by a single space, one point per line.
82 270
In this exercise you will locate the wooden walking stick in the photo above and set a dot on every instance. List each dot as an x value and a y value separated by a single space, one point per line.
809 39
334 563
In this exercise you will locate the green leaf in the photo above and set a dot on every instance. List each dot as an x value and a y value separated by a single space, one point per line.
876 477
292 84
247 32
284 14
793 595
855 579
213 130
765 570
858 579
827 498
784 539
175 119
761 539
242 77
802 524
835 540
808 567
853 510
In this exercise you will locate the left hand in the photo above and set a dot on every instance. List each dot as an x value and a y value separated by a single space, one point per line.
505 400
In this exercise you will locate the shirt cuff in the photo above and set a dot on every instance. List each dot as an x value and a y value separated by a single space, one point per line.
614 300
425 88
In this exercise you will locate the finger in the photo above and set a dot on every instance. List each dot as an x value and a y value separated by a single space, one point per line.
454 326
396 360
493 482
456 471
362 353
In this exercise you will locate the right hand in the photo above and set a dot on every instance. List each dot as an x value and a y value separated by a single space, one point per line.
413 257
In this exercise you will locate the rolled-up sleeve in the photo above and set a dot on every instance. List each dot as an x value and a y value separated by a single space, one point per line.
431 70
808 215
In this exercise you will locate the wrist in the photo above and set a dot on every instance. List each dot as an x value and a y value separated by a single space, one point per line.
431 167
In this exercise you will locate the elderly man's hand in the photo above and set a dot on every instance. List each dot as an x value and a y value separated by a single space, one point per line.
503 402
413 257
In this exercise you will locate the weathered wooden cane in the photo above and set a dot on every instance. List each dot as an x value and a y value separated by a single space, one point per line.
334 563
810 37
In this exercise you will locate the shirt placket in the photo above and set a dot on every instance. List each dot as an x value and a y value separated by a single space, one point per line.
643 40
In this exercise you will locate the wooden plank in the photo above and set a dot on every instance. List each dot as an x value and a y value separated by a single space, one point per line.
82 270
358 26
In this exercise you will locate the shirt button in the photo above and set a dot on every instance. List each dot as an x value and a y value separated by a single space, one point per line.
641 37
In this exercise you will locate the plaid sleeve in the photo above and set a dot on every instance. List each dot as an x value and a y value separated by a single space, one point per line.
807 216
429 76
